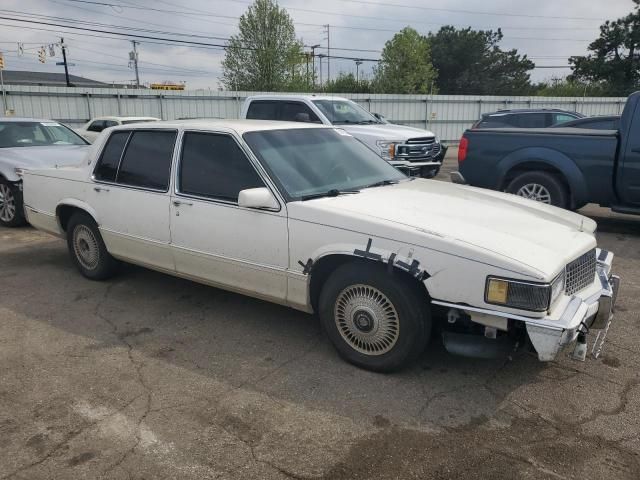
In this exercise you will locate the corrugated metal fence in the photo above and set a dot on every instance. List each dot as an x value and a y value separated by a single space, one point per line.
446 115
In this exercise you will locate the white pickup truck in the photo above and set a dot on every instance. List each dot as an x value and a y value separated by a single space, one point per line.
306 216
414 151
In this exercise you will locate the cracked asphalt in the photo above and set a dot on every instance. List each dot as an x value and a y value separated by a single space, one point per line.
152 377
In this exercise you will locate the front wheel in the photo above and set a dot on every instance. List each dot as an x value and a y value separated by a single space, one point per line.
542 187
375 320
11 207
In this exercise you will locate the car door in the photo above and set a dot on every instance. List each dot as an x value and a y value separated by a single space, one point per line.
130 194
216 241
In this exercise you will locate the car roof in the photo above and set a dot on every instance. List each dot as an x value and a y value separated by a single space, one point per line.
239 126
531 110
115 117
26 119
284 96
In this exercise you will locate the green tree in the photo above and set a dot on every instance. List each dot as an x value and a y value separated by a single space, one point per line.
615 55
347 83
405 65
470 62
265 55
566 87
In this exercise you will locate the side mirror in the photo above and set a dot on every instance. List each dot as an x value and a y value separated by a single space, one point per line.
302 117
378 116
257 198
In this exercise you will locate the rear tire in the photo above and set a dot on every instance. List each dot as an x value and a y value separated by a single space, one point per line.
375 320
87 248
543 187
11 205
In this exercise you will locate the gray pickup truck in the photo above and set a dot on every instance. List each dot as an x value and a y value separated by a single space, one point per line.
565 167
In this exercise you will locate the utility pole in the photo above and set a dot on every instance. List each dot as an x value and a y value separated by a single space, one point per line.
328 53
313 62
64 61
358 63
133 57
4 95
320 59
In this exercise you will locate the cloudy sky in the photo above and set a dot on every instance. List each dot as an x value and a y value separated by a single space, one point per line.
548 31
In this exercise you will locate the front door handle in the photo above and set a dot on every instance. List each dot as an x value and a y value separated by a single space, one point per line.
100 189
177 203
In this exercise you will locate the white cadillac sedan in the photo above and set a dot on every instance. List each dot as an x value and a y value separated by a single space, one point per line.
307 216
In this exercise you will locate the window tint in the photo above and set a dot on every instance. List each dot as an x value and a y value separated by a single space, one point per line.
262 110
96 126
561 118
297 112
147 160
110 158
531 120
212 165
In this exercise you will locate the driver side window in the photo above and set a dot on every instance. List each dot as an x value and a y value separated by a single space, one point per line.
97 126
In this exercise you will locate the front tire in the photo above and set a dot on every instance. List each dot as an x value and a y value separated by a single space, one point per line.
11 206
377 321
543 187
87 248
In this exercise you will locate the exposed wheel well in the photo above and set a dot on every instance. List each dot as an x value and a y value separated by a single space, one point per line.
321 270
64 213
534 166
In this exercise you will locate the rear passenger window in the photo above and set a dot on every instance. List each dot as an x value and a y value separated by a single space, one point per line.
214 166
262 110
532 120
147 159
110 158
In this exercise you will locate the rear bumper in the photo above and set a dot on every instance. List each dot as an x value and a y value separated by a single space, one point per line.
456 177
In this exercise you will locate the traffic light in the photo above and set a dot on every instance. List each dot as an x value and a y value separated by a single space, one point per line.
42 55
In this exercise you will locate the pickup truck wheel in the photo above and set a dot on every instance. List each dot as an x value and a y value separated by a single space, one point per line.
542 187
87 248
376 321
11 207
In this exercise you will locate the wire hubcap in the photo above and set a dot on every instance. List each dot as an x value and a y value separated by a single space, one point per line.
535 191
367 320
85 246
7 203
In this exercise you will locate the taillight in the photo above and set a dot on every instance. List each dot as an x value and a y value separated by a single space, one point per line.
462 149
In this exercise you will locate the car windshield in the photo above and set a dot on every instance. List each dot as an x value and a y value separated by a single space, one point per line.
311 162
341 112
37 134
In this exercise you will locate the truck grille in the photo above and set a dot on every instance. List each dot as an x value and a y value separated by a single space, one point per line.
418 149
581 272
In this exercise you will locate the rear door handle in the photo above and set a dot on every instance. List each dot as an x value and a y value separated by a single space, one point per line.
100 189
177 203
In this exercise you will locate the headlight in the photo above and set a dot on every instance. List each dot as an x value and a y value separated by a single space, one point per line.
18 171
536 297
387 148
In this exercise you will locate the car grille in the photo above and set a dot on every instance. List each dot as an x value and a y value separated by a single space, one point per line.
418 149
581 272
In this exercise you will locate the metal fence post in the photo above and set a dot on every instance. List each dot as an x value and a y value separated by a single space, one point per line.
161 107
119 106
87 94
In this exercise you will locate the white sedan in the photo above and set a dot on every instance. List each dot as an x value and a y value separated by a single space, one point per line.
95 126
307 216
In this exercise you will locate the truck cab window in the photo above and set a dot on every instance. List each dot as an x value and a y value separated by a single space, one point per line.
213 166
262 110
295 111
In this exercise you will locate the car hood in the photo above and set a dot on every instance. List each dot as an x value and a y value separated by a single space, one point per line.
385 131
540 237
42 157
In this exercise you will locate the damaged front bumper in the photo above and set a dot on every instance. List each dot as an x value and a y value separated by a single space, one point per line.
581 315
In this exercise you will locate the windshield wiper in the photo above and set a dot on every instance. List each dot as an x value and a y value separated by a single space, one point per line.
334 192
382 183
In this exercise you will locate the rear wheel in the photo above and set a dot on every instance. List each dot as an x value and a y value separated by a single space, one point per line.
11 207
375 320
87 248
542 187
